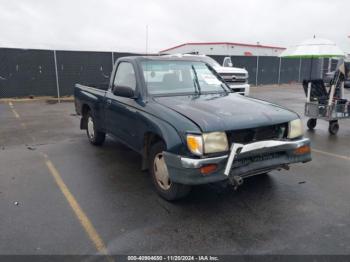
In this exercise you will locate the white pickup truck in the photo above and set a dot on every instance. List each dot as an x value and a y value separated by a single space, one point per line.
236 78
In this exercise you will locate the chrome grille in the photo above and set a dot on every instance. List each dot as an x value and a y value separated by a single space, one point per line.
234 78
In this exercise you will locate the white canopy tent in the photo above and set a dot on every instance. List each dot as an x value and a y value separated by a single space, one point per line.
313 48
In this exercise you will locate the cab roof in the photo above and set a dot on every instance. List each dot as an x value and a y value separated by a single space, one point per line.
162 58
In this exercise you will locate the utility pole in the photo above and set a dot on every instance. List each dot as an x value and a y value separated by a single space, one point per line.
146 39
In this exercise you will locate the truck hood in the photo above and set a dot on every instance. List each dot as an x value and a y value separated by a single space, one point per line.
223 112
221 69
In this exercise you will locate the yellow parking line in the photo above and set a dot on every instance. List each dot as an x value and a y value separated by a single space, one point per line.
82 217
331 154
15 113
13 110
19 117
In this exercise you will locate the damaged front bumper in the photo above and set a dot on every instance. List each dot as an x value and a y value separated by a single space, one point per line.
242 161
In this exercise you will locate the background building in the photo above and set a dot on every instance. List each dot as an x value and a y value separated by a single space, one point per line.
225 49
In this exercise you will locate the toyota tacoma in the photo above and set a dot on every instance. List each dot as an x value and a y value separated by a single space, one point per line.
188 125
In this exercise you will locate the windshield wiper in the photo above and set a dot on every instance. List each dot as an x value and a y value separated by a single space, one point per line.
223 84
195 81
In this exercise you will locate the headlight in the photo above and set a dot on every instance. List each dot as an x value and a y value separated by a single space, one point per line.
215 142
207 143
295 129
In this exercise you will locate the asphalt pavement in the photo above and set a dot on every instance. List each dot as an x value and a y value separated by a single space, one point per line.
61 195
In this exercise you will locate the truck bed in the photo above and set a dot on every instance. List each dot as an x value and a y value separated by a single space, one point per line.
90 96
101 86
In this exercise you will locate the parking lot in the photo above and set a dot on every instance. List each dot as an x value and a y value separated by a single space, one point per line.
61 195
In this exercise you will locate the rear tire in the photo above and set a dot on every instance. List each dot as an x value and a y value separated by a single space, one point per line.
160 177
333 127
95 136
311 123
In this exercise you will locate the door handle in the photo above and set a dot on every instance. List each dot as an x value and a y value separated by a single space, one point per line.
109 102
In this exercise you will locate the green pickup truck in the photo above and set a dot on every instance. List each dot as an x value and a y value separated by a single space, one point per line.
187 124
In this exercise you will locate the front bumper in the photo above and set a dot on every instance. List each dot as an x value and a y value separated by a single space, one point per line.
242 161
243 89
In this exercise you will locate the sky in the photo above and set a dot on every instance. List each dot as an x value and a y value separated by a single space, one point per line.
120 25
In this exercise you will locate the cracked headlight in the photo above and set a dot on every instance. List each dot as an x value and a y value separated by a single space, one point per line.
295 128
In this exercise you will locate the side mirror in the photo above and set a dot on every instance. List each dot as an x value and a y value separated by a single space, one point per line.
124 91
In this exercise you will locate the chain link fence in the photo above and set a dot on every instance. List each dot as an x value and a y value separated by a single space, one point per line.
25 73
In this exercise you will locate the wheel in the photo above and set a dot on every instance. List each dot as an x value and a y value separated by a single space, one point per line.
95 137
311 123
333 127
160 176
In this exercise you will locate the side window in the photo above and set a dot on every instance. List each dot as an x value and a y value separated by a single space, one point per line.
125 76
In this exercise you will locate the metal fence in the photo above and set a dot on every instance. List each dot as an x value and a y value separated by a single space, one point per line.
28 72
275 70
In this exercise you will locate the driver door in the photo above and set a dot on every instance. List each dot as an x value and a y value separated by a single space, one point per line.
120 111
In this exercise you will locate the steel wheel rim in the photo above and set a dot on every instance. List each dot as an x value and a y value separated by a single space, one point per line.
161 172
90 127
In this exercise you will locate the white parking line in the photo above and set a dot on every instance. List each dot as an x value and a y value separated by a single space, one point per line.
331 154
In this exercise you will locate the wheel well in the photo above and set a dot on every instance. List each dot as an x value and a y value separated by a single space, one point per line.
85 109
83 122
149 140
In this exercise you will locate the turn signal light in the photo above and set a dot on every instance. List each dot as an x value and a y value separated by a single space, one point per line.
207 169
302 150
195 144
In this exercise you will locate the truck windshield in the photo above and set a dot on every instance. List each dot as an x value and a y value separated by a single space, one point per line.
175 77
210 61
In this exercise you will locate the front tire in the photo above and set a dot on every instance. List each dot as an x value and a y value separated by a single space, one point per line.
95 136
160 176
